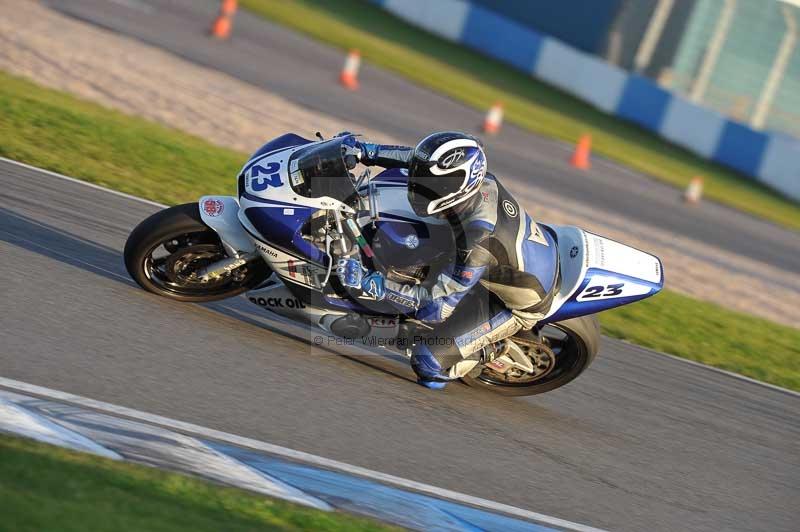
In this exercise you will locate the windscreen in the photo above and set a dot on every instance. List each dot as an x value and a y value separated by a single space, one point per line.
320 170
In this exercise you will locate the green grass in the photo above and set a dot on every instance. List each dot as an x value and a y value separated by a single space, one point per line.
478 81
43 487
67 135
693 329
58 132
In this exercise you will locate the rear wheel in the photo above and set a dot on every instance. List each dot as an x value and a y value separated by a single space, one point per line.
568 349
165 251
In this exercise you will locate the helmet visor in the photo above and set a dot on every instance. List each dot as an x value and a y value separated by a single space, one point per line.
423 191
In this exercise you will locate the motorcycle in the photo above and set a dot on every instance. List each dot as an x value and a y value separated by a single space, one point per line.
299 210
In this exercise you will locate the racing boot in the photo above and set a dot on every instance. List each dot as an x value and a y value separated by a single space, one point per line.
430 373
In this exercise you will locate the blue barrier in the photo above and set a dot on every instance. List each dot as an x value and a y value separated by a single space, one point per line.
643 103
501 38
772 159
740 147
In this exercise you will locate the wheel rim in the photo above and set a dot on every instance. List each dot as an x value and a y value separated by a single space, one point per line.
172 264
561 355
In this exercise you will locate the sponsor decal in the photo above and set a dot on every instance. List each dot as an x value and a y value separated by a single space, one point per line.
382 323
573 252
485 196
497 364
452 158
292 269
478 331
463 273
269 251
213 207
473 336
587 250
400 299
412 242
296 177
510 209
277 302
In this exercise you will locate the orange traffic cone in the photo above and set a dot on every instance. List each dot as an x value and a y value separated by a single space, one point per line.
494 119
580 158
349 74
221 29
694 191
228 7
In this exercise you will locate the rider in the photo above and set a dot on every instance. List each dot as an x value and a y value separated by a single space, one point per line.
504 271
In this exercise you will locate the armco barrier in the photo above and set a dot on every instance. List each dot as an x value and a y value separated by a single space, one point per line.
773 159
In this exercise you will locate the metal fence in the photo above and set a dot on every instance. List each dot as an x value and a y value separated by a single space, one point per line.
739 57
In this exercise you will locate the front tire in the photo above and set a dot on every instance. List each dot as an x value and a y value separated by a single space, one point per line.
574 343
164 251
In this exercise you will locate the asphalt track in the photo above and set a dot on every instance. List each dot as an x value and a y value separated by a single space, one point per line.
304 71
640 442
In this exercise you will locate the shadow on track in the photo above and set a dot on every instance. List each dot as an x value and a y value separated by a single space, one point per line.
57 244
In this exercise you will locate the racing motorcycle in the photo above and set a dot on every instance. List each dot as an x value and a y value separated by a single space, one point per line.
300 209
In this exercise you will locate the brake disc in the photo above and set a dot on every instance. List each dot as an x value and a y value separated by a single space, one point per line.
542 361
181 266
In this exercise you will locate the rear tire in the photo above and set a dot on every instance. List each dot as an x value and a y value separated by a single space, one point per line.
579 345
188 244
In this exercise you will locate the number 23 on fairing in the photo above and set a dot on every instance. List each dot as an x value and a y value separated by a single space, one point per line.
272 177
607 287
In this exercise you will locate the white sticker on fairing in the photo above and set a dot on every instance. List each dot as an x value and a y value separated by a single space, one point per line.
606 254
292 268
608 287
297 177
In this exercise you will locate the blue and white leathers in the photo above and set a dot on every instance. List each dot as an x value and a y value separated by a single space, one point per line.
525 271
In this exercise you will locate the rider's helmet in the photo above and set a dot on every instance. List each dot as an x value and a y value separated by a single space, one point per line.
446 170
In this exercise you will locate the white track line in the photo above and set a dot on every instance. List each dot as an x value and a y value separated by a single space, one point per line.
291 454
723 371
84 183
153 203
134 4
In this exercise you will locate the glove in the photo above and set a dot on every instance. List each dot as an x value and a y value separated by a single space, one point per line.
352 150
369 152
373 284
350 272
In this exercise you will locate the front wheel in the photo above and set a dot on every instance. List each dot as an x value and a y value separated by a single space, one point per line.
165 251
569 347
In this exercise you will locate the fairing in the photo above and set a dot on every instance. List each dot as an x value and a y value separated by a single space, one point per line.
595 273
599 274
